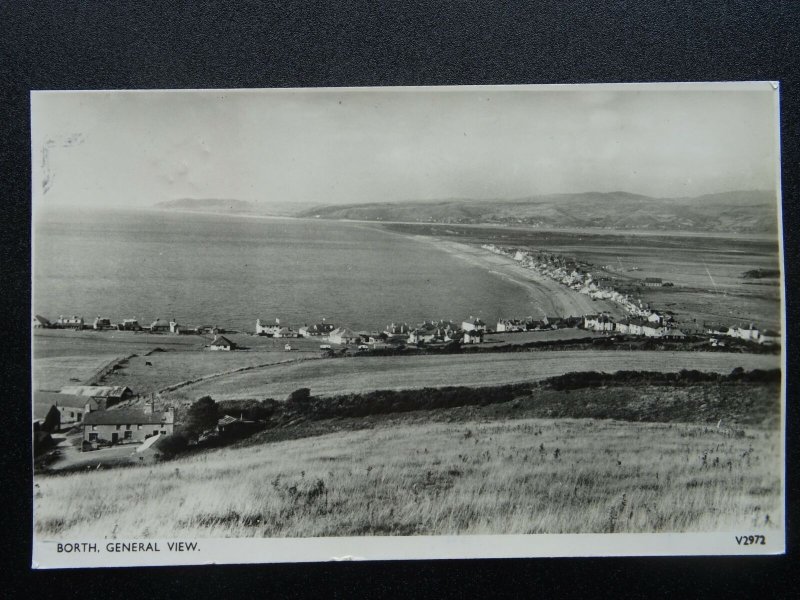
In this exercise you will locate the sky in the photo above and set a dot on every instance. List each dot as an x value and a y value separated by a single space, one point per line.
339 146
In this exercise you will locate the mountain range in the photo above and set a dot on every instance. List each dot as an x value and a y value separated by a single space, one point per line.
752 211
740 211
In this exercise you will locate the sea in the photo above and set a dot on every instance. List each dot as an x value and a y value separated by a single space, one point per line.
228 271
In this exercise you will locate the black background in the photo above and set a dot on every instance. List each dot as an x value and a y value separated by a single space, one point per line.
103 45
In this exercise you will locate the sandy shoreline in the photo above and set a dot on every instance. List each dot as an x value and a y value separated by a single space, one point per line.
547 297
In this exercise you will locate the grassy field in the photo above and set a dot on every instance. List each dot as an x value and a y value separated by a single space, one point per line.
52 374
512 476
345 375
49 343
169 369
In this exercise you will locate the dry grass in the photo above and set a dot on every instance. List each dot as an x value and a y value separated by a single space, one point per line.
49 343
350 375
54 373
520 476
167 369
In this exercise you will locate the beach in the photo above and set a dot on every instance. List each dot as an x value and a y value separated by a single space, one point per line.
548 297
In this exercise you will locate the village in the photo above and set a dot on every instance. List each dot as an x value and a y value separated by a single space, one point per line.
116 417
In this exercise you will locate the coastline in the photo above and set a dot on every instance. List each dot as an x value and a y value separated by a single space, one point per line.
548 297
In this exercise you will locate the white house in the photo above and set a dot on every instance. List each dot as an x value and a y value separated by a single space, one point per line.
769 337
270 330
473 337
73 322
751 334
101 323
652 330
421 335
473 324
342 335
601 322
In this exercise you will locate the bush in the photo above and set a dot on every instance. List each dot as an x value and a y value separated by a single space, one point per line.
172 445
298 396
201 416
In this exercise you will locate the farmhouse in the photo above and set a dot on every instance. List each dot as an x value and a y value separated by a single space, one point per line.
127 426
473 324
342 335
222 343
71 408
39 322
653 282
107 394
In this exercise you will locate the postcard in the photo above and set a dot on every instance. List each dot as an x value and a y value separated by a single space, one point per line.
292 325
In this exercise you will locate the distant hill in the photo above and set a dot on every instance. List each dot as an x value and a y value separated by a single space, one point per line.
232 206
207 204
740 211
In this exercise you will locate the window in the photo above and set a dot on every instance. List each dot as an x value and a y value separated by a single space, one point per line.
94 427
128 427
119 427
138 427
80 416
128 434
92 437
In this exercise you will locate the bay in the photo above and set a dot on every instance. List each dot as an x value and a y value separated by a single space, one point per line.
205 269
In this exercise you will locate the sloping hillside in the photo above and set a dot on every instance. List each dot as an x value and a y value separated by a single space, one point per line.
746 211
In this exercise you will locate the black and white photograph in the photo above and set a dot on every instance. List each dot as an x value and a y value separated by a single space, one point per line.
289 325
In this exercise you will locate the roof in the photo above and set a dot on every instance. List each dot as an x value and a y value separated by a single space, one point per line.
770 333
41 319
343 332
474 321
653 279
124 417
65 400
221 340
96 391
160 323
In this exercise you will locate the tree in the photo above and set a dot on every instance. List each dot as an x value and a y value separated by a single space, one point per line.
300 395
52 421
201 416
